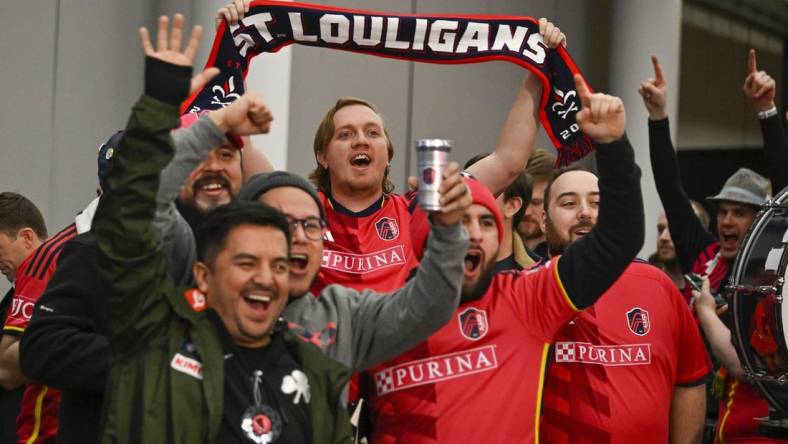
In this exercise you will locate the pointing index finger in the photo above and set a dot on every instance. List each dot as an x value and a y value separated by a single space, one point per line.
657 69
751 62
582 90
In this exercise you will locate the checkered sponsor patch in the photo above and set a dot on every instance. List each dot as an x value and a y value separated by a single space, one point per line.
607 355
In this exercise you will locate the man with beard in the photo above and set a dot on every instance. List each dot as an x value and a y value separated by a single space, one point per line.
699 251
665 257
361 328
633 364
479 378
216 181
512 254
540 168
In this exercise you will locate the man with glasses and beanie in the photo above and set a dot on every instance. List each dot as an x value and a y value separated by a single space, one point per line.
361 328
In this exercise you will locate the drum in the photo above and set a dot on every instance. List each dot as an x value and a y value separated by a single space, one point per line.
757 295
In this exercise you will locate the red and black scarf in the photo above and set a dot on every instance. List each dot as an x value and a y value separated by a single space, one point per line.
449 39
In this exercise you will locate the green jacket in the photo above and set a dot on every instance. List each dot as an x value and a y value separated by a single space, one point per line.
148 400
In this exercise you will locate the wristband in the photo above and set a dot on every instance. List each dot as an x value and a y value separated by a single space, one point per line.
768 113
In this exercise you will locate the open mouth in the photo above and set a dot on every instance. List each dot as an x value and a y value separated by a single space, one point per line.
729 238
212 184
360 160
259 302
582 229
472 261
298 262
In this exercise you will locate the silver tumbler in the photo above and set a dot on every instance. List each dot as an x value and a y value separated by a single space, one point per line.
432 156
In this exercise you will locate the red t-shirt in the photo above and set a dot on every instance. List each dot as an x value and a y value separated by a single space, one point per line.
37 420
479 378
614 367
369 249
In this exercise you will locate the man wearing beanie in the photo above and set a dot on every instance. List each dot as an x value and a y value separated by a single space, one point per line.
362 328
457 386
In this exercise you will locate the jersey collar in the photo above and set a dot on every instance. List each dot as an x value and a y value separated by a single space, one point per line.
336 206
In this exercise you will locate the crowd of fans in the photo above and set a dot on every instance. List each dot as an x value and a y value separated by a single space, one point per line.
204 297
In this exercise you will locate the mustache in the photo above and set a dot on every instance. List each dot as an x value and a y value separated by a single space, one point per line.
258 288
209 178
581 224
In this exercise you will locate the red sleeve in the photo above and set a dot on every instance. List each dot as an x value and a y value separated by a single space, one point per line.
693 360
26 292
541 301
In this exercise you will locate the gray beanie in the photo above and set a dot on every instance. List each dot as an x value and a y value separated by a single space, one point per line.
260 183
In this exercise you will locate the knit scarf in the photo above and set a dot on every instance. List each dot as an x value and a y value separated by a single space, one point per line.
446 39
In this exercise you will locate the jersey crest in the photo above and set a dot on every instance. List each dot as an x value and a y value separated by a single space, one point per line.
387 228
428 176
473 323
638 321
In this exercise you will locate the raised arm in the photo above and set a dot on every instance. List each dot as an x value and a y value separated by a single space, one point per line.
247 115
688 234
518 134
386 325
594 262
760 88
131 264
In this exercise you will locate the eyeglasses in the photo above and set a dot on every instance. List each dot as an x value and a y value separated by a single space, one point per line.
313 226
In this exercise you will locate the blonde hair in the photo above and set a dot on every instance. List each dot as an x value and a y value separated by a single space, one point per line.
320 176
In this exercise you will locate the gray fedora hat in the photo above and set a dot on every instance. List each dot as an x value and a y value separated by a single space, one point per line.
744 186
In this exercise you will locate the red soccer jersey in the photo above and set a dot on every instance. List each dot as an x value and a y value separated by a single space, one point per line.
479 378
614 367
369 249
37 420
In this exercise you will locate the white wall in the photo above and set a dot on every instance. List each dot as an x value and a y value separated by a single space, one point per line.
71 71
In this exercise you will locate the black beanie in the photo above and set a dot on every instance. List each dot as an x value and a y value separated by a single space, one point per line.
260 183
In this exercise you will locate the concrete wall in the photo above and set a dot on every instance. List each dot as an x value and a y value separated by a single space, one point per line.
71 71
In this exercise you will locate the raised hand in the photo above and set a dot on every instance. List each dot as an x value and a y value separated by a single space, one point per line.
168 43
551 34
455 198
233 12
759 86
168 48
655 93
244 116
602 117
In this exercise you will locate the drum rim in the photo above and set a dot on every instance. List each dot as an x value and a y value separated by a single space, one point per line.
745 352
